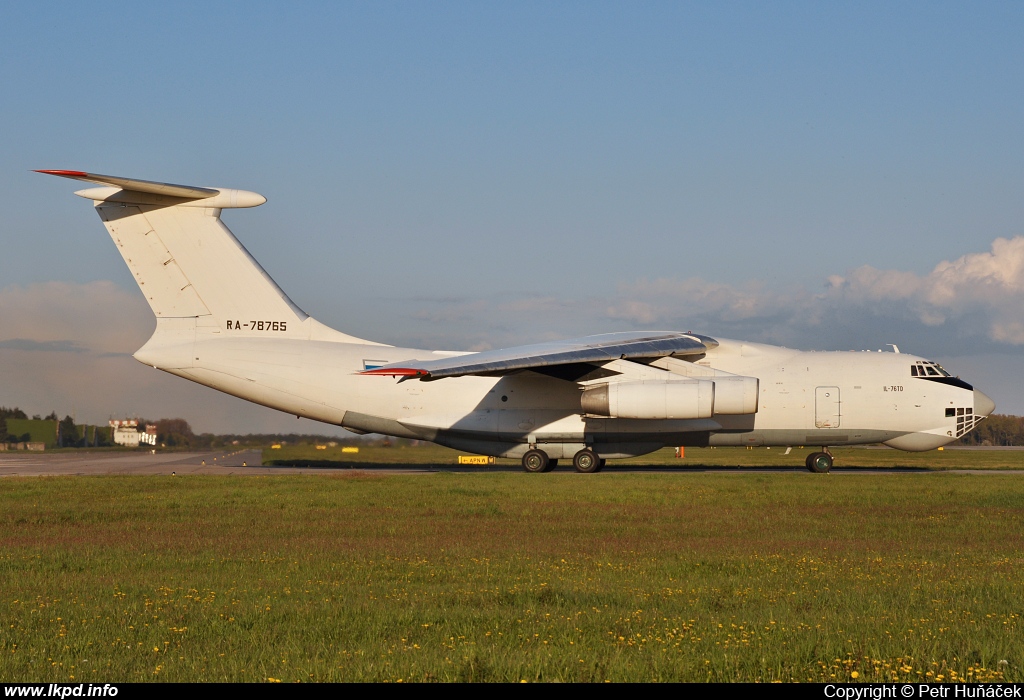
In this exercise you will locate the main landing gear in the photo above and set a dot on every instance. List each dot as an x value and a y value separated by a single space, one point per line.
819 462
537 461
586 461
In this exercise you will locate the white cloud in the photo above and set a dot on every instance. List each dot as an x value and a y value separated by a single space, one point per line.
98 316
978 297
974 302
986 288
669 300
67 347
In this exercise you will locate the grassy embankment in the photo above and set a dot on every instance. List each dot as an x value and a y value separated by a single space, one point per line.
509 576
309 455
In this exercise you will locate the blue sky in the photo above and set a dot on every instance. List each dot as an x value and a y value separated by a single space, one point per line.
469 175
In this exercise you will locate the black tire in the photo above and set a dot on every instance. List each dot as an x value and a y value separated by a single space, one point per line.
552 463
586 462
535 461
820 463
807 461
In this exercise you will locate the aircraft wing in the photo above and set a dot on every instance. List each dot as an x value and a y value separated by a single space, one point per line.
594 349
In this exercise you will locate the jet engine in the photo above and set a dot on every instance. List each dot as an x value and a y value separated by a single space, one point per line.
651 400
736 396
700 398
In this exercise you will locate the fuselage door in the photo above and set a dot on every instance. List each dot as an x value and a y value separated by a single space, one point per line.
826 407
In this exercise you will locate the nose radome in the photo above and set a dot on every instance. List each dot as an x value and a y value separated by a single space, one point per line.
983 405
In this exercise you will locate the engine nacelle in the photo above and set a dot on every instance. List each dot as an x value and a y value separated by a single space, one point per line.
736 396
651 400
697 398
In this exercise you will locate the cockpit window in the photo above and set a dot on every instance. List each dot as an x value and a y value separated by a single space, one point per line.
924 368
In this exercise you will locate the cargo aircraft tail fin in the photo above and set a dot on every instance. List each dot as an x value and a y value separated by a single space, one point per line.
191 269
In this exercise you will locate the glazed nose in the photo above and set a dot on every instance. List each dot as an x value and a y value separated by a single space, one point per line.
983 405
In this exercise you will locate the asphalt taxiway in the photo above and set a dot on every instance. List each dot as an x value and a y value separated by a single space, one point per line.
250 463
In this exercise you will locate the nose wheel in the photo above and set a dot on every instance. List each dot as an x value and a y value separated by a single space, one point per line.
819 462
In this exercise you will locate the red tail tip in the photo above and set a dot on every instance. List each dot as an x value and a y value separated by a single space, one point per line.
63 173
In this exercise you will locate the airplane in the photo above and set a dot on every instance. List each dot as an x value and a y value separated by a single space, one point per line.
222 322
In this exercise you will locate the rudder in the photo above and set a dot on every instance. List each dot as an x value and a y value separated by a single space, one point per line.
188 264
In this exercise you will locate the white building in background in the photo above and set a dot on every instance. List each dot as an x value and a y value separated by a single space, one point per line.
126 432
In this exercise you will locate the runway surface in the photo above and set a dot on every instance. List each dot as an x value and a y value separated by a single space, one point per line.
249 463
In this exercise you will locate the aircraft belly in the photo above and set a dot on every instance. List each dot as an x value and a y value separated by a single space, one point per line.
789 437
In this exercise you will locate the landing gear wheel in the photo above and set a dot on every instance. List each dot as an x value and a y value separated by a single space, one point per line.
586 462
535 461
552 463
820 462
600 464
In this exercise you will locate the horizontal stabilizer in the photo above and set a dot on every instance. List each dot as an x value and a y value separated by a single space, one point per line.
123 190
164 188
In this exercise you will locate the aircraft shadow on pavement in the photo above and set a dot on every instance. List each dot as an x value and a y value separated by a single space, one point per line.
625 468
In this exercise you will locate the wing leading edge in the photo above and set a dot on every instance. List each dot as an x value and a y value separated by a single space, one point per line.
590 349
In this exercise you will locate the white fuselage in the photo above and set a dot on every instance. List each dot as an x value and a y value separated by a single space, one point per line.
804 398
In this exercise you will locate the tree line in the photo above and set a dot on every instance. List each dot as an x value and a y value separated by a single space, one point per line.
18 414
171 432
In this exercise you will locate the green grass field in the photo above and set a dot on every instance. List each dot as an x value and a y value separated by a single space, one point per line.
512 576
309 455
